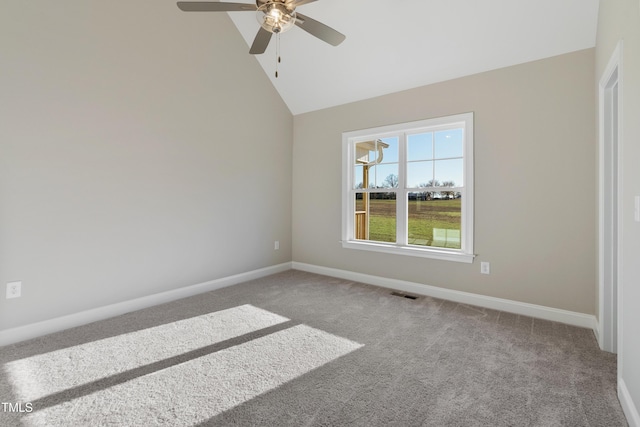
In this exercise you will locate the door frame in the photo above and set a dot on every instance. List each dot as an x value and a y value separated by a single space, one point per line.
610 192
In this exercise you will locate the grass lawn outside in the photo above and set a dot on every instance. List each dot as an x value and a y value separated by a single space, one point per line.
431 222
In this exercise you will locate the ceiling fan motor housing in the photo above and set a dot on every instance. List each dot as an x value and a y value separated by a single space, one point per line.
276 16
289 4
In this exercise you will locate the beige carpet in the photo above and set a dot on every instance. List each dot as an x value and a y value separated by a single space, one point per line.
302 349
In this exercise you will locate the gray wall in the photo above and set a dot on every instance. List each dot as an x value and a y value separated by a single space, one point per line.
142 149
620 20
535 151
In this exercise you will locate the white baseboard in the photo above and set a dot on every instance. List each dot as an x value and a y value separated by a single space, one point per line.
10 336
629 408
532 310
596 332
21 333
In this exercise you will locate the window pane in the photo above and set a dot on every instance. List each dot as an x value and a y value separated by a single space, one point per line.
375 220
420 146
368 152
383 176
358 177
448 143
390 153
360 225
448 173
419 174
434 222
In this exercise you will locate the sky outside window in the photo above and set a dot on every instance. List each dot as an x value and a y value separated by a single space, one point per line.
424 152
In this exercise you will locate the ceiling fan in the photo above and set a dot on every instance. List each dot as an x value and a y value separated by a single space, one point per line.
274 16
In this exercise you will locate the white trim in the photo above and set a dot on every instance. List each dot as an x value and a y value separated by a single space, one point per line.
628 407
433 253
525 309
21 333
606 340
596 330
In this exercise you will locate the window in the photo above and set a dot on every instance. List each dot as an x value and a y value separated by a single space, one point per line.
408 189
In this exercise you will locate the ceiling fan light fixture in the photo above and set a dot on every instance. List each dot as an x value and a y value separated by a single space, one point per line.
275 17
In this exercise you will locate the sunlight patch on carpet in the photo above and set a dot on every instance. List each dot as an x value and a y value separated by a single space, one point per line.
41 375
194 391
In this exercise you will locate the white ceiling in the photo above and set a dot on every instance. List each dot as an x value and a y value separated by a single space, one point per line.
394 45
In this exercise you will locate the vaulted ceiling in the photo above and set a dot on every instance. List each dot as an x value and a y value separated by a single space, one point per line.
400 44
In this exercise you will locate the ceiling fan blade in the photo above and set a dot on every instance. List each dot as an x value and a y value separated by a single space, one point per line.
319 30
301 2
208 6
261 42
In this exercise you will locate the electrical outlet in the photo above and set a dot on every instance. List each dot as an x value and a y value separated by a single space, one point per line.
14 290
485 268
276 245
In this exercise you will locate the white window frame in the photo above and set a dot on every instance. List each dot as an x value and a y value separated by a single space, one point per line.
349 139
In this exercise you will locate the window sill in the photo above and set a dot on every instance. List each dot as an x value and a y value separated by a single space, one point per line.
433 253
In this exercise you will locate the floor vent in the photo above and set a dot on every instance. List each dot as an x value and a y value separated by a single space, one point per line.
400 294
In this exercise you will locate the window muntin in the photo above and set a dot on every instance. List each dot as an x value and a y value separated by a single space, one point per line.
418 196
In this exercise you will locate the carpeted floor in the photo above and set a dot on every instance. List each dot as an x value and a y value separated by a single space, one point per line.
298 349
